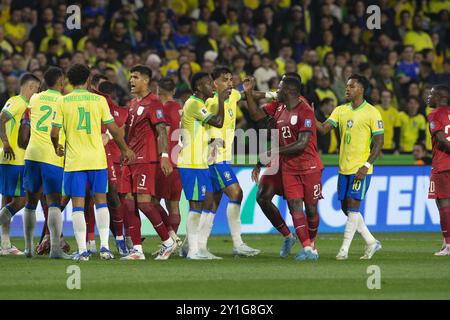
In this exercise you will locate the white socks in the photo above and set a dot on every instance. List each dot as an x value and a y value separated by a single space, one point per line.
102 221
29 222
364 231
234 222
54 224
192 230
79 229
6 241
350 228
206 224
5 215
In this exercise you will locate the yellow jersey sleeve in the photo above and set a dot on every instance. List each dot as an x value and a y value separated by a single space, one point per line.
376 123
198 112
106 114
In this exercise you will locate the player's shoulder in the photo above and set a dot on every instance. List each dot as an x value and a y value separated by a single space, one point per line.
151 100
172 105
235 95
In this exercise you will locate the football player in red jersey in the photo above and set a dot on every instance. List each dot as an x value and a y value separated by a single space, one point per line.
147 136
439 122
271 184
169 187
120 114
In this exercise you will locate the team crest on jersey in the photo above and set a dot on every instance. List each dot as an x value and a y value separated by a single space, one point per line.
116 113
432 124
227 175
203 190
140 110
230 111
7 106
294 120
380 124
204 111
159 114
350 124
308 123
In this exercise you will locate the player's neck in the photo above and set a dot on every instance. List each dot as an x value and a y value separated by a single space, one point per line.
292 103
81 87
200 96
164 98
357 102
25 95
142 95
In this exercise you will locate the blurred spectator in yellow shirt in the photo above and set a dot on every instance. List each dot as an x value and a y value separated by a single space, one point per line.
390 116
65 44
418 38
15 30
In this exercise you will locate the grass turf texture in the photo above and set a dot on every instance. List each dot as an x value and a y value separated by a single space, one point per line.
408 271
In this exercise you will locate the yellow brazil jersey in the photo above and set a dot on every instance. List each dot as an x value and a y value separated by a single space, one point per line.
40 148
390 121
419 40
356 127
409 128
193 137
81 114
14 107
226 133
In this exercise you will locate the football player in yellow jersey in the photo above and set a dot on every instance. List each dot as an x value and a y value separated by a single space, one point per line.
43 168
192 161
359 123
80 114
12 158
221 173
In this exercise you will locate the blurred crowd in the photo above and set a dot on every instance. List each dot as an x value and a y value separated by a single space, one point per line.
325 41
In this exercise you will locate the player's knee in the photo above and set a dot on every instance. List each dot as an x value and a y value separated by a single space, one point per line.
311 211
295 205
236 195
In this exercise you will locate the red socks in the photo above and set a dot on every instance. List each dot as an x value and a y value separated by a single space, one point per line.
152 213
117 220
90 220
134 221
301 228
174 220
313 225
164 217
445 223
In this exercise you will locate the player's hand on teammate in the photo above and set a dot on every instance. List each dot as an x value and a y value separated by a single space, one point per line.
166 167
59 150
255 174
8 152
361 173
128 156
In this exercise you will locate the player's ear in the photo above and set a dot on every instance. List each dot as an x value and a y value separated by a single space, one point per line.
216 85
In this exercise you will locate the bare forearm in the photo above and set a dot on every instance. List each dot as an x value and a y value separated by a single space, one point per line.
217 119
255 113
376 149
297 146
3 135
117 136
162 140
323 128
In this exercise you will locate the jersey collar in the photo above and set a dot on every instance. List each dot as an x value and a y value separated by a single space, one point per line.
24 99
80 90
53 91
362 105
198 99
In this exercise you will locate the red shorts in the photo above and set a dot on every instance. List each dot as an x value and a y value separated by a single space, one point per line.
439 186
303 186
169 188
273 180
113 173
138 178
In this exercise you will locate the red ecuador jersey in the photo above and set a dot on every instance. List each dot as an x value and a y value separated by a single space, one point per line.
439 120
143 116
290 123
120 115
172 113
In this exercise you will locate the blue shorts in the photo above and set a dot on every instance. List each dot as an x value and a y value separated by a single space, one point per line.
349 188
37 174
222 176
196 183
75 182
11 177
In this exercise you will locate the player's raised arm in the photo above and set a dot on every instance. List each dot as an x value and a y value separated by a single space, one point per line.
324 127
217 119
8 152
127 153
255 112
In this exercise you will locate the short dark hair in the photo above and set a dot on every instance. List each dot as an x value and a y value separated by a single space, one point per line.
167 84
78 74
294 75
218 71
442 87
421 144
413 98
293 83
196 78
361 80
27 77
144 70
52 75
96 78
106 87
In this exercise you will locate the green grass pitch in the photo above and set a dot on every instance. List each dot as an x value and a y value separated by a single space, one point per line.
408 271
